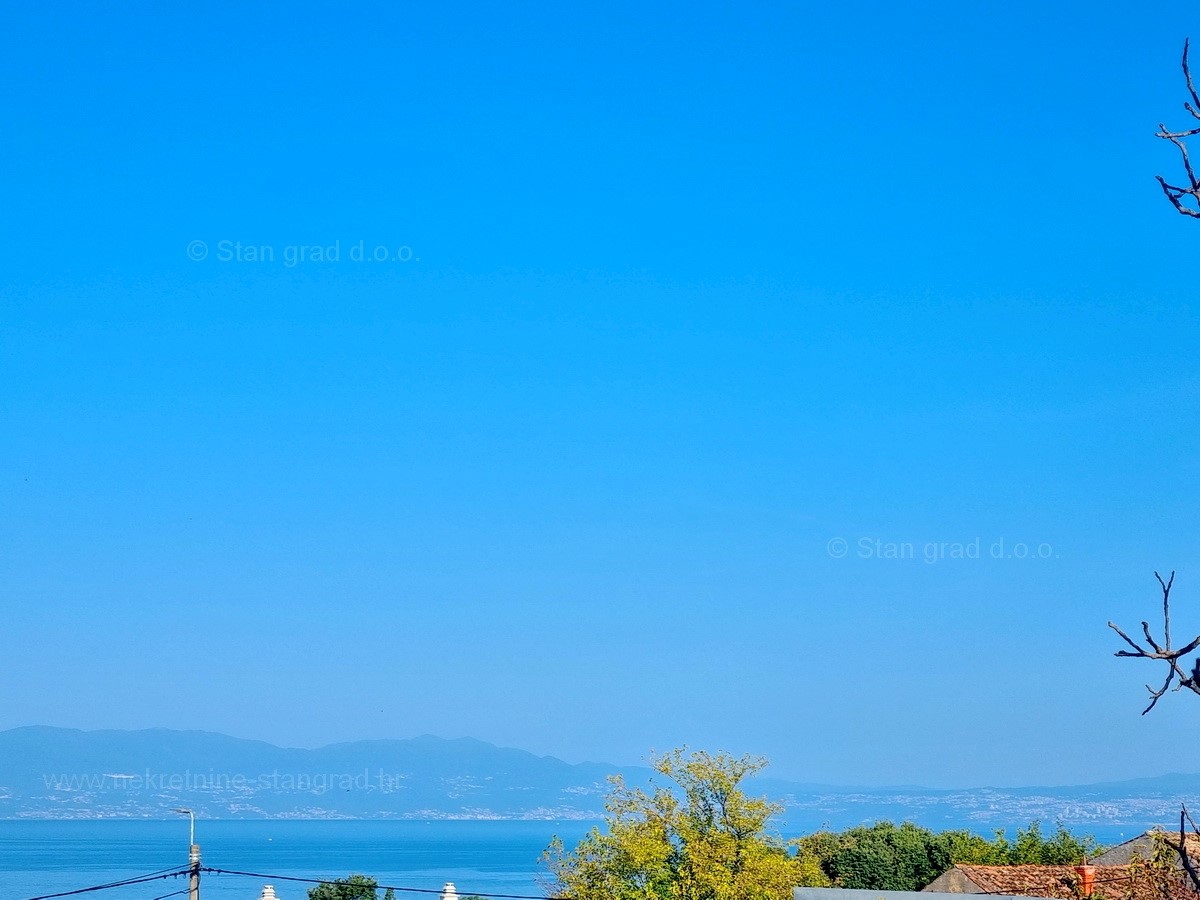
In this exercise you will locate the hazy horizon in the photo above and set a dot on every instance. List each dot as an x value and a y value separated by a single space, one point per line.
769 773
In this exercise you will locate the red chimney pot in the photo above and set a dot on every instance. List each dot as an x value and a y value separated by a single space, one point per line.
1087 879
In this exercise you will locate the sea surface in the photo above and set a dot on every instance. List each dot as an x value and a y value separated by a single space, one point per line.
39 857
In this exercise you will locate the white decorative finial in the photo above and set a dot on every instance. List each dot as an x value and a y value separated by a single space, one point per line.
448 891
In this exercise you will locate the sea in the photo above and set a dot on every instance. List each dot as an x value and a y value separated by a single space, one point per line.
42 857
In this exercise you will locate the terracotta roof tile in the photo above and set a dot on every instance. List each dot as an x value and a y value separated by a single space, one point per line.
1110 883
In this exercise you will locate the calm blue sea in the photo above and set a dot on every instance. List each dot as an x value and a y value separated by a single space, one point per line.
44 857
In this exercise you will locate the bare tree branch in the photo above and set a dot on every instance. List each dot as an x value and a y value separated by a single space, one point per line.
1166 585
1188 75
1175 672
1189 865
1171 655
1177 193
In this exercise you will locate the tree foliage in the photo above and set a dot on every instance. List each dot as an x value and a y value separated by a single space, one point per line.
356 887
883 856
1059 849
701 838
906 857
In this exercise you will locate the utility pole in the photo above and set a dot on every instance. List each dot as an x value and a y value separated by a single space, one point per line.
193 855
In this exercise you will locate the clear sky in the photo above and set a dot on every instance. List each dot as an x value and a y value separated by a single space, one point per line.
674 296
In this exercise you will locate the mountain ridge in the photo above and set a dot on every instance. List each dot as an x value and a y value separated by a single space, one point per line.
53 772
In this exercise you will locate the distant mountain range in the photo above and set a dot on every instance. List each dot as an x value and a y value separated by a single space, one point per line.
64 773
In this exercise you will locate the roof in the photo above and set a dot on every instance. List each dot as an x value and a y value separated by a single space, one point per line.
832 893
1142 847
1110 882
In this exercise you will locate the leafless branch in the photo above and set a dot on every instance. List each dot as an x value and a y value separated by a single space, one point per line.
1175 672
1191 88
1189 865
1177 193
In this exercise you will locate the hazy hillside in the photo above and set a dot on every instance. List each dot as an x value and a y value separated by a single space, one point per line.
66 773
63 772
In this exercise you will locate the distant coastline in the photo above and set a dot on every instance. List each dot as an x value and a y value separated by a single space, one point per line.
57 774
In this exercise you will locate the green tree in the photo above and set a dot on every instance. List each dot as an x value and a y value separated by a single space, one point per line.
883 856
1060 849
703 839
968 847
356 887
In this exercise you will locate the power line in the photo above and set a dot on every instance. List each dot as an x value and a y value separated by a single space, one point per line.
382 887
138 879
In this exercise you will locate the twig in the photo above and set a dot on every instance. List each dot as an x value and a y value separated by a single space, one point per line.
1175 673
1185 818
1176 193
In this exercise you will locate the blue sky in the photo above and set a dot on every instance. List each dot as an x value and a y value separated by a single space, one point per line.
684 293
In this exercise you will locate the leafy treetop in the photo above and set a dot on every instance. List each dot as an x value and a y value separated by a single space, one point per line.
356 887
702 839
